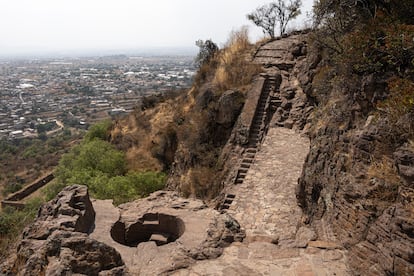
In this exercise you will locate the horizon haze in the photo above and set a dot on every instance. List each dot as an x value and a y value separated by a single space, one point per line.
76 27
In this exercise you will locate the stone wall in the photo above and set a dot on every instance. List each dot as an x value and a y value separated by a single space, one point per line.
14 199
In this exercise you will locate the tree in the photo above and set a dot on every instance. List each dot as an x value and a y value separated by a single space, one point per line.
99 131
278 12
207 51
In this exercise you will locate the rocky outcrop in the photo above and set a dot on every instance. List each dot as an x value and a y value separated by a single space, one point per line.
202 131
356 184
165 232
57 242
289 59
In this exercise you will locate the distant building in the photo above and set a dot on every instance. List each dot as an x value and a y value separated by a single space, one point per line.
117 111
16 134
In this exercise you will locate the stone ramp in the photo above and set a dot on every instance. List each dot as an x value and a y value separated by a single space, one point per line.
265 206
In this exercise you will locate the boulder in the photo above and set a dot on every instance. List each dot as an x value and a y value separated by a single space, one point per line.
57 242
229 107
404 159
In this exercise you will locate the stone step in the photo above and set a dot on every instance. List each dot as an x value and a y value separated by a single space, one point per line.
241 175
230 196
228 201
251 150
224 207
151 222
238 181
242 170
248 157
245 165
276 102
160 238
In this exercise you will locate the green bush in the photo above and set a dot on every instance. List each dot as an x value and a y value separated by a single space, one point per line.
147 182
12 222
89 158
12 187
98 165
99 131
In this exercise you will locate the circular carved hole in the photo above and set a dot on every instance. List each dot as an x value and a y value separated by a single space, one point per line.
160 228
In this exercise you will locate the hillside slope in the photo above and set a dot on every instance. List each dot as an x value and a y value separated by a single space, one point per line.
357 181
239 147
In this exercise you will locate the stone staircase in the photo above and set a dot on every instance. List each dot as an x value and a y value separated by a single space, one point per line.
263 199
258 129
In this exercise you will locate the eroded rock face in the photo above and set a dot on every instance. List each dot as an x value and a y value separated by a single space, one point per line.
289 60
357 179
71 210
57 242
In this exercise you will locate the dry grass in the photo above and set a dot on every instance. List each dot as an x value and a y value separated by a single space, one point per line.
399 106
199 181
234 68
384 173
384 169
411 145
138 135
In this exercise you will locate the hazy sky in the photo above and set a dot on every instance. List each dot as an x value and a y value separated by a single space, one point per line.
33 26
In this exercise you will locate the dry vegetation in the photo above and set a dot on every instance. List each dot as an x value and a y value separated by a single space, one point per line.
367 68
383 175
235 68
180 134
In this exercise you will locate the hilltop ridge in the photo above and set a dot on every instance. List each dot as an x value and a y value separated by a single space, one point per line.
296 113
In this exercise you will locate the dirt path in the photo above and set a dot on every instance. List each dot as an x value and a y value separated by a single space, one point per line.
265 206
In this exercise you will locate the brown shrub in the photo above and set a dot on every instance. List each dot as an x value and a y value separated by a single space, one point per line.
399 106
202 182
384 175
380 46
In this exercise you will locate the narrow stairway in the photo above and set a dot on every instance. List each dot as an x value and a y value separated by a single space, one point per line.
258 129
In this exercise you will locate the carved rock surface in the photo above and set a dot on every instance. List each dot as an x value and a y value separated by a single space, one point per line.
143 232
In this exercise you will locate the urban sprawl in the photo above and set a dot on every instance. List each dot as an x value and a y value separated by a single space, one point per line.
44 96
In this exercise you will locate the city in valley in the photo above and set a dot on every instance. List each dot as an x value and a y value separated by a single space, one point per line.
46 95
